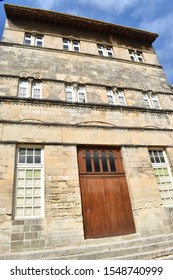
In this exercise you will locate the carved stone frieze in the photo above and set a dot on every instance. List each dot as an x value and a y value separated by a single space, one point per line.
37 75
24 74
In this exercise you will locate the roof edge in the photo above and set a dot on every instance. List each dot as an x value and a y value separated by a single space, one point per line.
25 12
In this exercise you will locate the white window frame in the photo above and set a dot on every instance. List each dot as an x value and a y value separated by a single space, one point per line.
155 101
37 85
151 100
121 97
109 51
29 88
34 39
66 44
139 56
132 55
105 51
136 55
76 46
110 95
75 91
39 41
71 45
81 91
116 96
29 37
163 175
23 85
100 49
26 192
69 91
147 101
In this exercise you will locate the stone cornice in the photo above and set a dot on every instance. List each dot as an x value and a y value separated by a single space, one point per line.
81 106
85 127
48 143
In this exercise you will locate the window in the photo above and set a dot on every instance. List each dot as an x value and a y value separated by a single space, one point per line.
81 94
75 93
69 93
34 40
28 39
66 44
76 46
33 89
105 51
151 101
155 102
139 56
136 56
163 175
39 40
29 188
36 89
121 98
23 88
110 95
99 161
115 97
71 45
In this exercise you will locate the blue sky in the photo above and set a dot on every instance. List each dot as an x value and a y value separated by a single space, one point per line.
152 15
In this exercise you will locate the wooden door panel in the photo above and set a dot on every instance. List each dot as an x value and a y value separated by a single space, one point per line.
119 207
94 210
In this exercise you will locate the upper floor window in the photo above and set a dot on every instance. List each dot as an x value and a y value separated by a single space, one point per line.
110 95
136 56
23 88
36 89
151 101
34 40
81 94
69 93
71 45
75 93
105 51
116 97
30 89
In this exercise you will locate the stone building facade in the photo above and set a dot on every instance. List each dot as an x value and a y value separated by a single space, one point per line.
86 132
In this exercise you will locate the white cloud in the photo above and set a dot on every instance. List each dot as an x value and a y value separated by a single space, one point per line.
109 5
163 25
118 6
46 4
146 9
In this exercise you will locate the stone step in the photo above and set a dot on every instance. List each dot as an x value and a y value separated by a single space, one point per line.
164 254
148 251
106 248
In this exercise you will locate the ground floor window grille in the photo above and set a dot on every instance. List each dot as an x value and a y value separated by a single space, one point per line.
29 188
163 176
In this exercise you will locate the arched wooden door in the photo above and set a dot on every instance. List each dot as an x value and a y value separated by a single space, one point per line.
105 198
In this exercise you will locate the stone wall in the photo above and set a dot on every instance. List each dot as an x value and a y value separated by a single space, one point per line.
62 222
150 216
58 65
